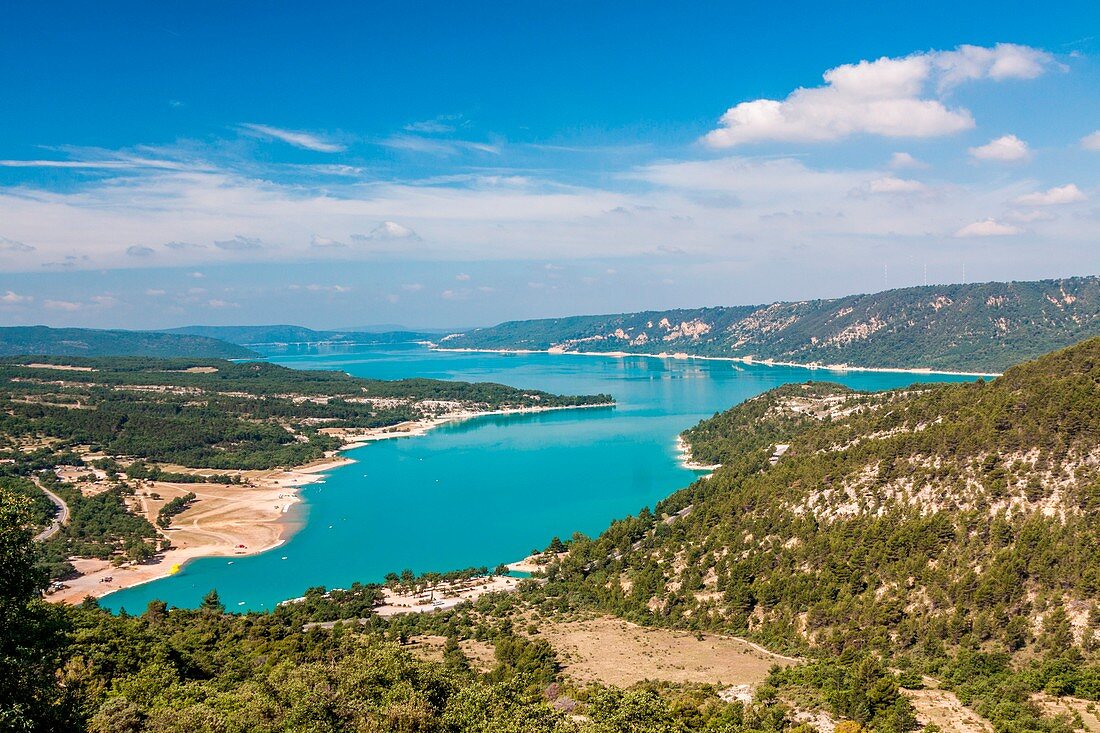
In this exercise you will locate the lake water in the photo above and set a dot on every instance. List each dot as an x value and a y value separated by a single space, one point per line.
491 489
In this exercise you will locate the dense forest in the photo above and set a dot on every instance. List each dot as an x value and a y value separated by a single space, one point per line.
16 340
984 327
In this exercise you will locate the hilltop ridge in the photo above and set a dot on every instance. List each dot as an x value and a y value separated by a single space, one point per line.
91 342
984 327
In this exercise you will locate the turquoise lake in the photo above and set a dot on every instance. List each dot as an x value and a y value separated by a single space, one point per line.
491 489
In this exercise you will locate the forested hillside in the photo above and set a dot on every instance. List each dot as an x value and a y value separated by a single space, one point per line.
41 340
984 327
952 530
282 334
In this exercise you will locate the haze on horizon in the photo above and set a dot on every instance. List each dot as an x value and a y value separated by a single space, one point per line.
432 165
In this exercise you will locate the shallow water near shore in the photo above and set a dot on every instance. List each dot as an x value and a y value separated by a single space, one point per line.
490 489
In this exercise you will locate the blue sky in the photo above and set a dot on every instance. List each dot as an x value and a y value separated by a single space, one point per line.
454 164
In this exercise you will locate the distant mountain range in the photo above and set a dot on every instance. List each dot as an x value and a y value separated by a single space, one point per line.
45 341
286 334
221 342
971 327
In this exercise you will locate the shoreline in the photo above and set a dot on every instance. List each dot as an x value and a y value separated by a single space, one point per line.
683 452
276 488
680 356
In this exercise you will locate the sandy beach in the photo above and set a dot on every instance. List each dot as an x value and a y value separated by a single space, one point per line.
225 520
737 359
239 519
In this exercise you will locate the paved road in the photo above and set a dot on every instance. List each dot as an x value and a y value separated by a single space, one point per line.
61 518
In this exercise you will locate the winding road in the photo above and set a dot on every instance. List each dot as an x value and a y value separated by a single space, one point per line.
61 518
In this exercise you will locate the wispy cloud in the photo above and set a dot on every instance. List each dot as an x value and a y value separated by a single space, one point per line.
62 305
297 138
430 126
437 146
318 288
119 163
240 243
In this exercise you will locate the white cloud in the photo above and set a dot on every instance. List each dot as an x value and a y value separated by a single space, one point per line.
1068 194
297 138
1091 141
156 293
138 250
462 277
1007 148
219 303
388 230
62 305
13 298
318 288
891 184
412 287
905 160
1001 62
889 97
987 228
325 242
